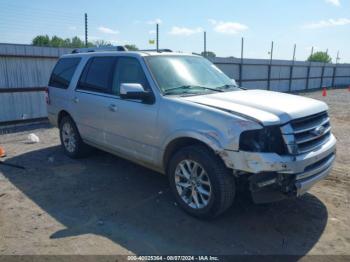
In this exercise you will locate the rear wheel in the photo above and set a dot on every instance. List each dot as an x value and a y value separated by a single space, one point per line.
200 181
72 144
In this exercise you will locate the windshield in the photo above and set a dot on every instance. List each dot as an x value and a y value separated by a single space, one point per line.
188 74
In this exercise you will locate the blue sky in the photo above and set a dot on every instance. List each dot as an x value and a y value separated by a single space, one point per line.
319 23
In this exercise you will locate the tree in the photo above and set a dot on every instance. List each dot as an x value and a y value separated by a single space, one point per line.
76 42
209 54
41 40
55 41
320 57
132 47
102 43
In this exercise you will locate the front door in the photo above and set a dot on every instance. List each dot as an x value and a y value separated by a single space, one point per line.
132 127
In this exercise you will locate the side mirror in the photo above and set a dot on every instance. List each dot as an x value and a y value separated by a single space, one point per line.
234 82
137 92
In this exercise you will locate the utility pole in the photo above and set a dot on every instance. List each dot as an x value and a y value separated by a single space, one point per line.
241 63
337 59
271 52
295 47
157 40
86 30
205 44
269 68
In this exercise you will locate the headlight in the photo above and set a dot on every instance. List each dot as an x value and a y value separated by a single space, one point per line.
268 139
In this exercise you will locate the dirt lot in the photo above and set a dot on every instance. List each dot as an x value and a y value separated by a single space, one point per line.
106 205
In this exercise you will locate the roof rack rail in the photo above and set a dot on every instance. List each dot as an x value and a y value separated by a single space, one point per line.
99 49
155 50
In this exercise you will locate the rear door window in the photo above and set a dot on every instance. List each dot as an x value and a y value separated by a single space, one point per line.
63 72
97 75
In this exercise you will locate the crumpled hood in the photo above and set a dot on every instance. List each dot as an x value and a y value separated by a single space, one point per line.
267 107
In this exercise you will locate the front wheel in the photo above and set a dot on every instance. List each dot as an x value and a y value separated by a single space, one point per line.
200 181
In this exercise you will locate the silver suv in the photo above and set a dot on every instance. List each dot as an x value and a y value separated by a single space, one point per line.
180 115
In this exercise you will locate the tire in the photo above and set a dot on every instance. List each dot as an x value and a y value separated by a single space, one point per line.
214 189
71 142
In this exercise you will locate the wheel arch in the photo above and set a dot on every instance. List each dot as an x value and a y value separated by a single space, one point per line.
61 115
177 143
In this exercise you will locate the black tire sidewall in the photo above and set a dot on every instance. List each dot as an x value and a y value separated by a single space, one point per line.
75 153
207 160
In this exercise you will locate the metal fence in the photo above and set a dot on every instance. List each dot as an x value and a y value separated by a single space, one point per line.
284 75
24 74
25 71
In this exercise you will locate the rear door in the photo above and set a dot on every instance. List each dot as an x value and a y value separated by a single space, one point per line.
59 83
92 98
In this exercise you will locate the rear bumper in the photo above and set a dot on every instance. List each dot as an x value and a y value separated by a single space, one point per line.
52 118
273 176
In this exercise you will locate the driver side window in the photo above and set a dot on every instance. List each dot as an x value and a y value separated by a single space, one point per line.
128 70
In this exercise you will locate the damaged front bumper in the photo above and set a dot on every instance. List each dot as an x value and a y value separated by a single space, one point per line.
273 177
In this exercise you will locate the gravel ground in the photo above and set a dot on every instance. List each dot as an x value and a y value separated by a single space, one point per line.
106 205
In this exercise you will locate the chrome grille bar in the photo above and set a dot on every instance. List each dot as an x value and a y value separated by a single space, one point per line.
309 137
306 134
311 126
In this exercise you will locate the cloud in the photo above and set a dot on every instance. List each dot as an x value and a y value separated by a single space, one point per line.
175 30
72 28
152 32
107 30
333 2
328 23
155 21
229 28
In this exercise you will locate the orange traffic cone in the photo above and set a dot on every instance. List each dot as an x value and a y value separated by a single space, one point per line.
2 152
324 92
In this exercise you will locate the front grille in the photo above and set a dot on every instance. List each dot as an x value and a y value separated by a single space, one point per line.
307 134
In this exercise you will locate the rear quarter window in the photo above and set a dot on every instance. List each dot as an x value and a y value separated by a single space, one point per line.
63 72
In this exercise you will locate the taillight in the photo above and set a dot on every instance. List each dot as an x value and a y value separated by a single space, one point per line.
47 96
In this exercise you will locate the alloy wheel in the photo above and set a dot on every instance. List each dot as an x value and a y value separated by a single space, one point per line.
193 184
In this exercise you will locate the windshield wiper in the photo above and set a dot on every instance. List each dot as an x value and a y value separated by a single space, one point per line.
228 86
187 87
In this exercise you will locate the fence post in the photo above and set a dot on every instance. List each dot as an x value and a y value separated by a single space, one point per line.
269 68
157 37
308 71
335 70
205 44
322 73
291 70
241 63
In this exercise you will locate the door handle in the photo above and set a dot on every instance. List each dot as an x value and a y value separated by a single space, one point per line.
75 100
113 107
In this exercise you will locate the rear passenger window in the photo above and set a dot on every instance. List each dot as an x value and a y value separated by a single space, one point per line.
97 75
63 72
